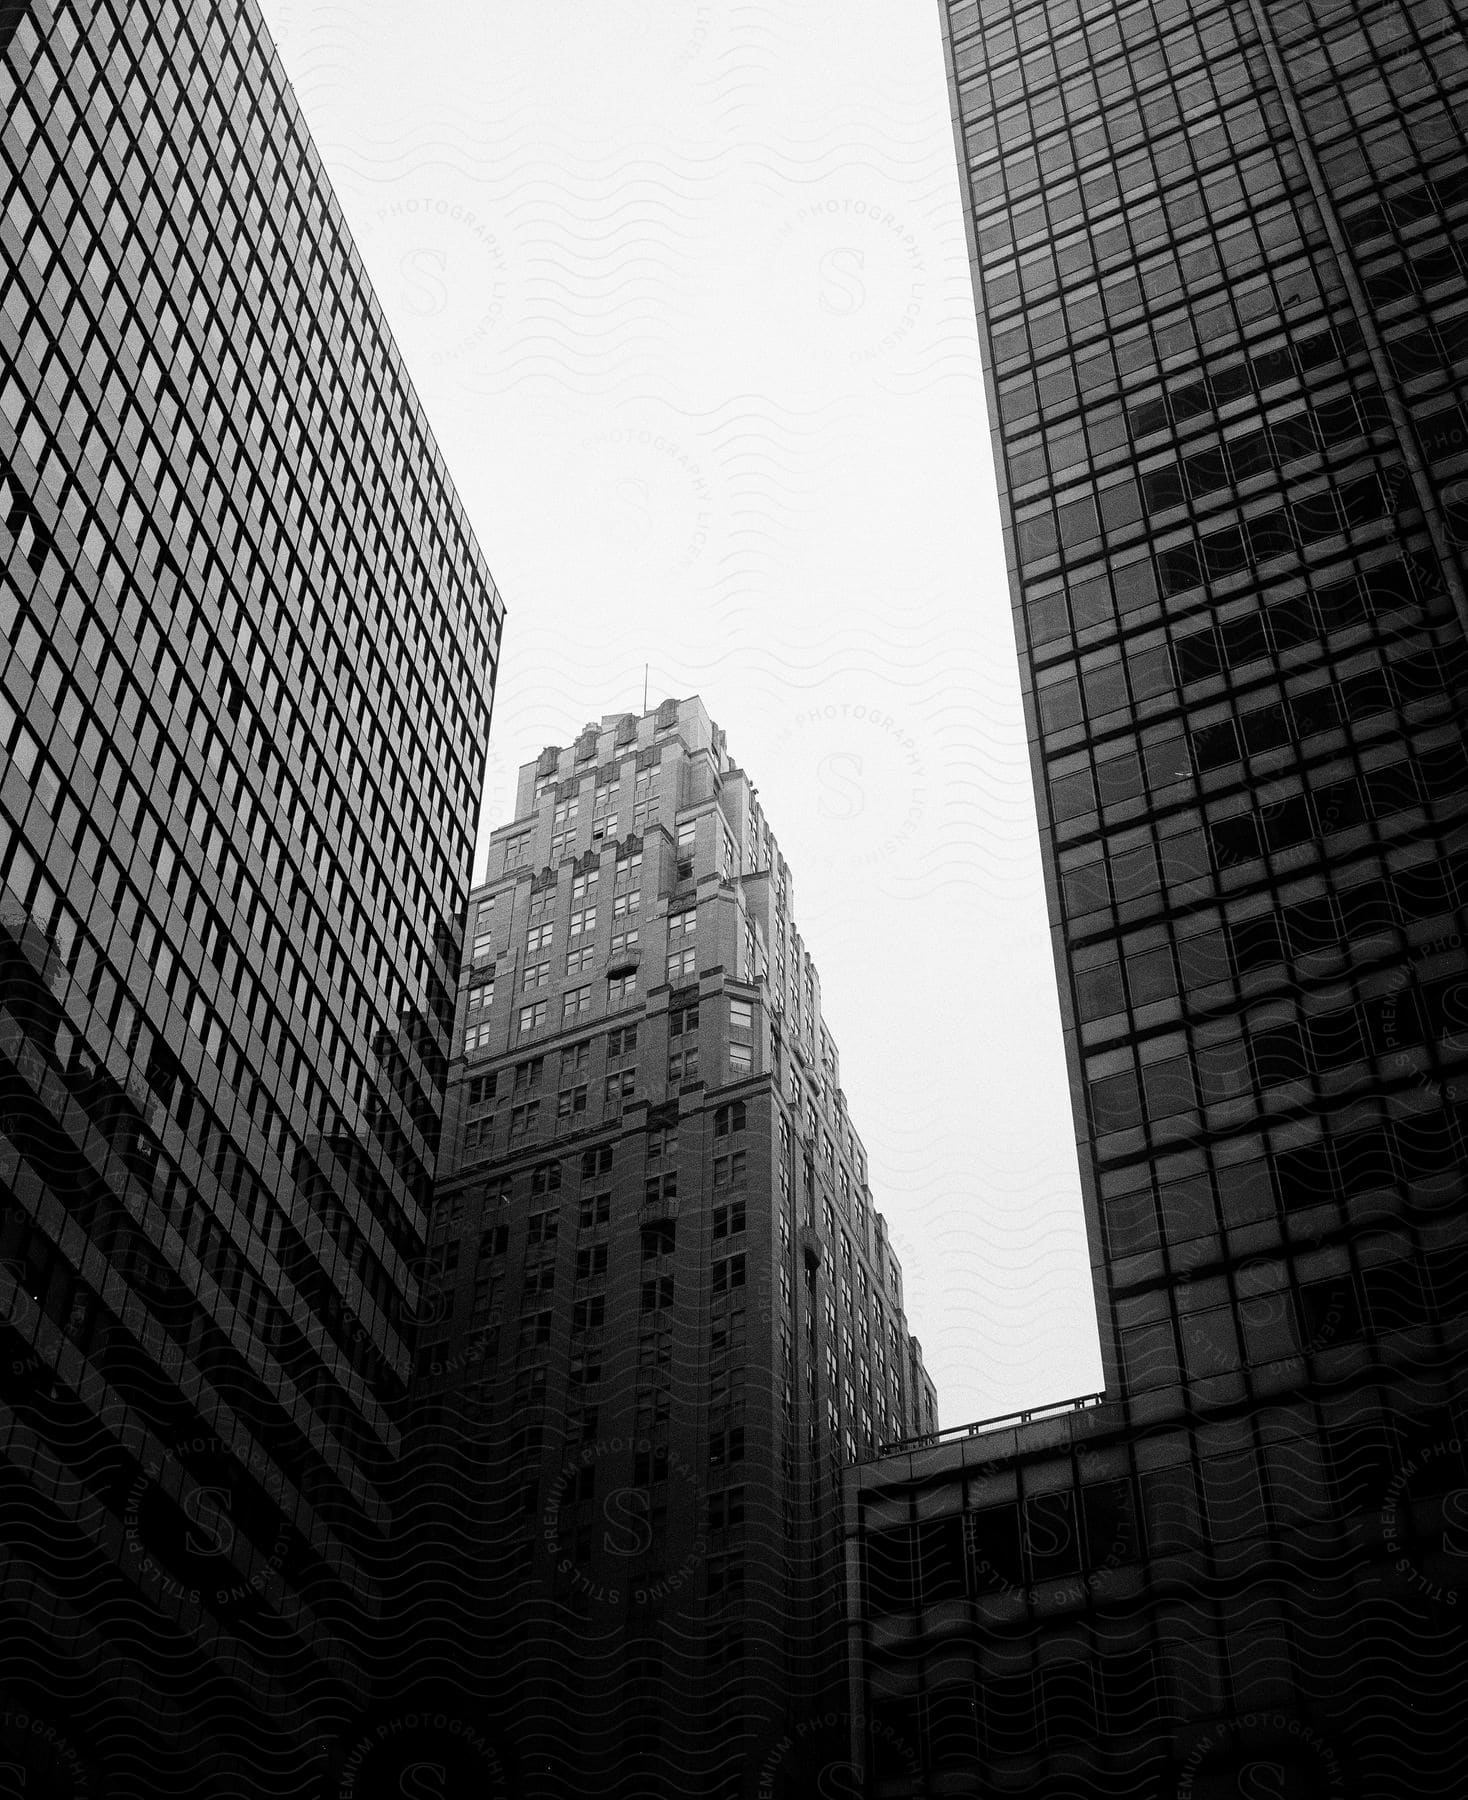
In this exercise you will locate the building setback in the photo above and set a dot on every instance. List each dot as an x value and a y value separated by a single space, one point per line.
1219 256
666 1312
249 653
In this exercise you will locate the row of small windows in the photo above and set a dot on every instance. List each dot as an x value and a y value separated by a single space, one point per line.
1379 1300
1056 282
682 1021
192 1207
1349 700
1200 395
1374 85
577 1002
592 1260
1251 305
1147 1204
571 1104
358 663
1063 1529
1327 922
1074 527
729 1121
1302 618
1284 531
1275 1051
342 302
1308 935
1068 450
1435 774
582 923
1053 36
565 833
985 1553
229 686
1160 283
1118 872
252 1007
1076 76
1259 452
1305 618
1120 777
1410 1012
380 342
729 1277
272 843
1405 205
1290 618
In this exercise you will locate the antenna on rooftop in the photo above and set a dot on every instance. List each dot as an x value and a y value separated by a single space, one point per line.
644 687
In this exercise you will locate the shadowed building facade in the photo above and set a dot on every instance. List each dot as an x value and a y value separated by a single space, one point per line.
666 1312
246 673
1219 258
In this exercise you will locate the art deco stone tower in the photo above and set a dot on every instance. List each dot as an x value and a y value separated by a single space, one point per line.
667 1312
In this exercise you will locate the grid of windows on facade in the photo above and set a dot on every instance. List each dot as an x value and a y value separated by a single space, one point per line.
1365 1221
1222 279
250 651
1175 349
155 608
866 1347
702 1272
1022 1557
580 907
1219 261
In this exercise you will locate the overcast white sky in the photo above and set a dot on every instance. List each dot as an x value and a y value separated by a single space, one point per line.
684 290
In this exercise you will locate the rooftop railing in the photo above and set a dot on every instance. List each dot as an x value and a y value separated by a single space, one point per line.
981 1427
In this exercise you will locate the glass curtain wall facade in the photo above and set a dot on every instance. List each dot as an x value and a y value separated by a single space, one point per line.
245 684
1219 258
664 1312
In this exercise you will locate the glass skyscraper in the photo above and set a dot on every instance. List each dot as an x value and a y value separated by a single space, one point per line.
249 654
1219 258
664 1312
